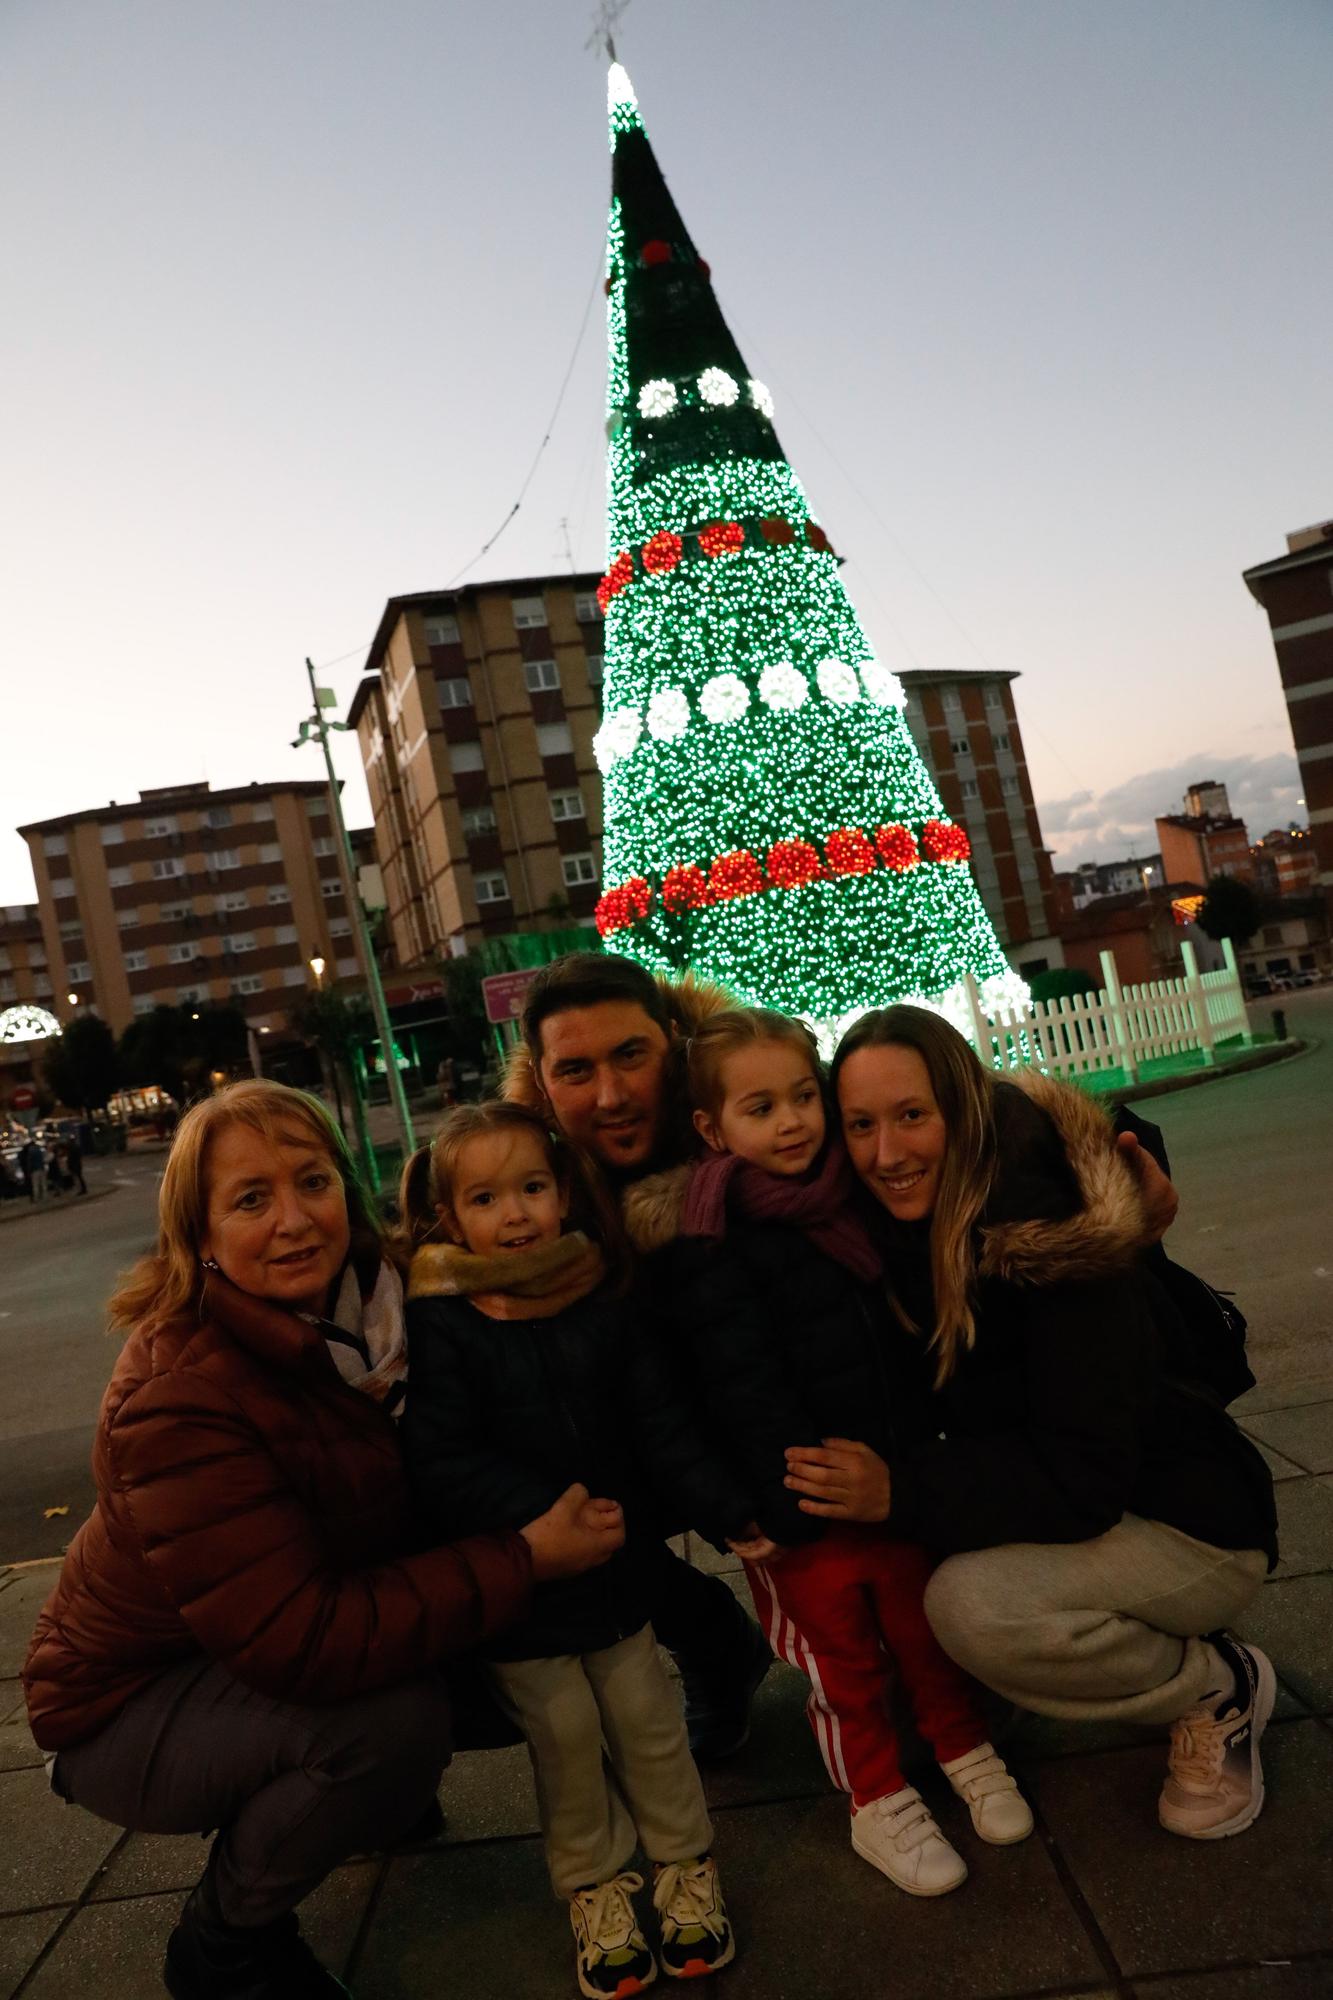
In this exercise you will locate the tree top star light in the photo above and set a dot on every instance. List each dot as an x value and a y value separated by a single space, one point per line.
769 823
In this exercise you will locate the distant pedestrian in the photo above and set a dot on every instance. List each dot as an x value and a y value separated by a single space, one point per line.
32 1160
71 1165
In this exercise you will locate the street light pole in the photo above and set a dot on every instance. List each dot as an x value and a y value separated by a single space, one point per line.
317 726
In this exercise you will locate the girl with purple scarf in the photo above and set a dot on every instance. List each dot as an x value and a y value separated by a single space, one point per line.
788 1300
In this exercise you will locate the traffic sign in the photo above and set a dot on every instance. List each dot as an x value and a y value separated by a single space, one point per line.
504 993
23 1097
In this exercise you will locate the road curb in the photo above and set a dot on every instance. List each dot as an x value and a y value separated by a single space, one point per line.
53 1205
1165 1086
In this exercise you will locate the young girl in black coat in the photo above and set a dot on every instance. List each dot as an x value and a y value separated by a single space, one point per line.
786 1304
525 1377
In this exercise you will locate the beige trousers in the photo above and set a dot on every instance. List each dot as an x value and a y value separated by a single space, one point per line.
610 1758
1106 1629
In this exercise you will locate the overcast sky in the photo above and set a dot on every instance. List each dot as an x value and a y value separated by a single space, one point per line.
1042 289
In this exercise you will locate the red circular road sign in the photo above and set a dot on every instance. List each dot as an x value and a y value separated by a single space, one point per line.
23 1097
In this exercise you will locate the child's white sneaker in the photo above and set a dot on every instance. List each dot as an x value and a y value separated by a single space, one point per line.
999 1811
697 1937
898 1836
612 1958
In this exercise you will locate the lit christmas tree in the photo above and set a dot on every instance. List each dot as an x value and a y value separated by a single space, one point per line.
769 823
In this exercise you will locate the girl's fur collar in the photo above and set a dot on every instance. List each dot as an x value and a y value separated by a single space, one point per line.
540 1282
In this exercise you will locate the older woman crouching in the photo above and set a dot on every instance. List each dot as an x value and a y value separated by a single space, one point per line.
244 1634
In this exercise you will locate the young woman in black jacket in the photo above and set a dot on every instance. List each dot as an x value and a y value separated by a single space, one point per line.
526 1377
1102 1517
780 1289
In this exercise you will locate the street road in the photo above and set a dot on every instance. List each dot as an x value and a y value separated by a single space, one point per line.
1251 1155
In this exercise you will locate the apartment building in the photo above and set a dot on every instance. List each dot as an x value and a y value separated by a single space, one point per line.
1296 591
25 976
475 719
1285 863
966 727
1206 839
191 895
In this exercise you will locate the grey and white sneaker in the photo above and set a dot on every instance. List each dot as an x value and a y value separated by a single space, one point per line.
898 1835
1214 1779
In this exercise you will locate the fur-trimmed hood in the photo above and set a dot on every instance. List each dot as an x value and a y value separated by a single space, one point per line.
1065 1207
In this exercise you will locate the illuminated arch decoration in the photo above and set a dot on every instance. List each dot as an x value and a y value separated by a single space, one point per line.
27 1024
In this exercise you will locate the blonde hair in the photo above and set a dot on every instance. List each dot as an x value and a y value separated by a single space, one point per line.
169 1281
428 1178
965 1093
739 1028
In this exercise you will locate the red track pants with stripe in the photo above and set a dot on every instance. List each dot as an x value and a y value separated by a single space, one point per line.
848 1611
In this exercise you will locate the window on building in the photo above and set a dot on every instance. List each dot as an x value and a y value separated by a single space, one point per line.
278 892
576 869
554 739
567 805
190 996
1001 739
453 691
529 612
333 887
218 816
441 629
168 866
113 836
55 843
158 829
324 845
971 789
961 746
78 970
586 607
994 698
285 934
41 986
262 809
119 878
490 888
951 701
596 668
236 899
136 961
224 857
346 968
144 1003
173 913
62 885
8 987
1009 785
70 929
293 975
466 757
249 982
340 926
243 941
540 675
478 819
182 954
316 806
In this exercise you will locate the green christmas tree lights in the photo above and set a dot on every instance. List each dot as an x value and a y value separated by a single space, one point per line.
768 821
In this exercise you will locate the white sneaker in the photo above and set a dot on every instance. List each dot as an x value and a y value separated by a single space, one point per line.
898 1836
999 1811
612 1958
1215 1781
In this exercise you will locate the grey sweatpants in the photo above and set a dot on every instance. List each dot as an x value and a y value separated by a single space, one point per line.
1105 1629
292 1790
610 1758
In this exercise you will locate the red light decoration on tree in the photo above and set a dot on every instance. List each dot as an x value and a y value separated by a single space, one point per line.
897 848
663 552
685 887
735 874
620 573
721 538
849 852
793 863
941 841
655 251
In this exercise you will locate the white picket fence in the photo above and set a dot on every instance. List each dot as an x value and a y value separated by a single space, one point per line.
1120 1027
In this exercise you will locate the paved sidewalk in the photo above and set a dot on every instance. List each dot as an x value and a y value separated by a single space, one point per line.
1099 1903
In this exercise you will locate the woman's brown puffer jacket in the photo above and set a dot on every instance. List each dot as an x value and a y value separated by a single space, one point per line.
251 1506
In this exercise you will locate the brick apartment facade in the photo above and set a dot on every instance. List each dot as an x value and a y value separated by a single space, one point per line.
191 895
1296 591
966 728
475 721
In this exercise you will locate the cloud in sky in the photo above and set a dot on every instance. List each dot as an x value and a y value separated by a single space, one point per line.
1106 826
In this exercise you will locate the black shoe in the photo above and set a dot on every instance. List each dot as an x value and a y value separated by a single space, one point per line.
717 1705
208 1959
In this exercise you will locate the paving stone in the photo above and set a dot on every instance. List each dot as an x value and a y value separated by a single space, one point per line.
1291 1619
483 1920
22 1597
21 1938
17 1750
1281 1468
488 1795
1304 1526
713 1562
1304 1435
150 1864
52 1849
1165 1903
781 1759
1274 1393
1300 1979
116 1947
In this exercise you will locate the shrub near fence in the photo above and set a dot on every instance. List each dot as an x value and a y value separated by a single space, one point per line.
1121 1027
